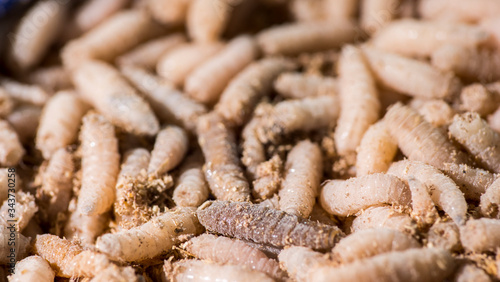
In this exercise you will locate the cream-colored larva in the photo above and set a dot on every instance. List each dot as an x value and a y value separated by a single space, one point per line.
494 120
171 145
383 216
24 93
376 150
375 14
103 87
24 120
21 248
11 149
371 242
222 166
109 39
147 54
25 208
478 138
115 273
94 12
192 188
298 115
253 151
423 208
307 11
151 239
435 111
303 172
295 38
57 185
468 63
426 37
59 123
51 79
32 268
169 104
410 76
84 228
240 97
444 235
472 181
206 83
490 200
6 103
419 140
208 247
410 265
33 36
300 85
170 12
196 270
299 261
478 98
480 235
359 104
177 64
462 10
340 9
207 20
470 272
444 192
268 178
67 258
100 165
347 197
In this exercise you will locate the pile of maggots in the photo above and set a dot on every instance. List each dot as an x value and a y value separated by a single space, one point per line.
252 140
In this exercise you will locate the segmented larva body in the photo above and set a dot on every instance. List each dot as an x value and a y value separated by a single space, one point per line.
109 39
104 87
481 235
383 216
207 20
32 268
147 54
69 259
298 261
347 197
93 12
151 239
222 167
22 244
100 165
25 93
6 103
431 36
298 85
268 178
11 149
58 184
33 36
169 104
171 146
423 208
178 64
376 14
169 11
295 38
265 226
470 272
371 242
444 192
419 140
24 120
59 122
85 228
478 98
359 102
410 76
51 79
192 188
444 235
376 150
409 265
469 63
196 270
294 115
434 111
24 210
206 83
253 150
490 200
242 94
472 181
478 138
459 11
208 247
303 172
